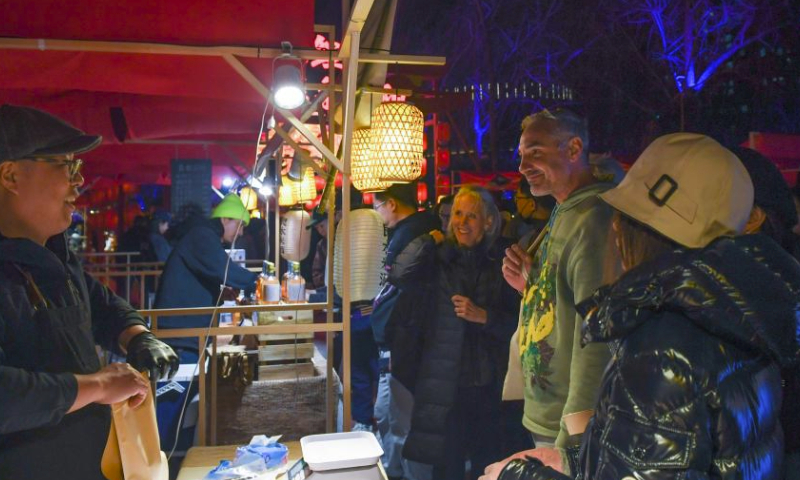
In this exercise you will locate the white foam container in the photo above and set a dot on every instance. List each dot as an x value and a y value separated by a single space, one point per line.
332 451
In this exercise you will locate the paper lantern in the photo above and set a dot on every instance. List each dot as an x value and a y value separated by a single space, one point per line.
422 193
396 142
319 183
307 188
292 193
367 253
295 237
249 198
286 196
364 176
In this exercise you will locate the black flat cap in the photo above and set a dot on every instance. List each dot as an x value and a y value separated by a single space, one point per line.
30 132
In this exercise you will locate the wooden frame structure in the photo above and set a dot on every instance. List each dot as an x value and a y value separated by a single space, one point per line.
351 57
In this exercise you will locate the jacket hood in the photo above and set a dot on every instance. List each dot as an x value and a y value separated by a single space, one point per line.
575 198
743 290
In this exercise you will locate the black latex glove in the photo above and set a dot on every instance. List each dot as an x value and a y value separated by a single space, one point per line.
147 353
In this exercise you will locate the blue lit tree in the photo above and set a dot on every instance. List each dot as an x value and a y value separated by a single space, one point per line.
694 39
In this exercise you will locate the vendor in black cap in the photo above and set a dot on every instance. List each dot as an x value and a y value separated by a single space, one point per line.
54 394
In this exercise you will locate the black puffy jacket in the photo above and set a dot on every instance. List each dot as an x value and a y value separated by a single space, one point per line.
694 390
456 352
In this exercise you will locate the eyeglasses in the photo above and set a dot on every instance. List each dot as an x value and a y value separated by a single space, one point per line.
379 205
73 165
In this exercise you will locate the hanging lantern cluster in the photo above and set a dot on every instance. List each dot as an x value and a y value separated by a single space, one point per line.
364 175
396 152
292 193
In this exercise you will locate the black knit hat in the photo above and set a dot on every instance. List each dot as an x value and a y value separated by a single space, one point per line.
770 188
29 132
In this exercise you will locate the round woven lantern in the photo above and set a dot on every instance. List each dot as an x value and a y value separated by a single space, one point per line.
364 176
396 142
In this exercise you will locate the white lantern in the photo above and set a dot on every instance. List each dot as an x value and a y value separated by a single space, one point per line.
396 142
295 237
364 173
367 254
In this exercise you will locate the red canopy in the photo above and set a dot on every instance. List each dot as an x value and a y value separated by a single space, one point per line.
149 97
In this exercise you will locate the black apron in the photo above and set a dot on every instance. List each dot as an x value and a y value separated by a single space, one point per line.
73 449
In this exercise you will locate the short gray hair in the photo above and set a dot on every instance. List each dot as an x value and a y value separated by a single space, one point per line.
489 210
568 123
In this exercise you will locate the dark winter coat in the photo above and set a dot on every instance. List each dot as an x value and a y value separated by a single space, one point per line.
51 316
695 388
394 323
192 277
457 353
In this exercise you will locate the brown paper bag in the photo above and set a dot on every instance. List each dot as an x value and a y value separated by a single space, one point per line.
132 451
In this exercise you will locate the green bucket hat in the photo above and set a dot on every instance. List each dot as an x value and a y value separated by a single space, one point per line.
232 207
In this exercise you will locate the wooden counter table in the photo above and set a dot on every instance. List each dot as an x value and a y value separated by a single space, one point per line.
200 460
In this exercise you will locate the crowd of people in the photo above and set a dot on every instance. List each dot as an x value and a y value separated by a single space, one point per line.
656 333
636 325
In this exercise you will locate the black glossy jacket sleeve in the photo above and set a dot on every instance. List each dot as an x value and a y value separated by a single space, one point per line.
529 469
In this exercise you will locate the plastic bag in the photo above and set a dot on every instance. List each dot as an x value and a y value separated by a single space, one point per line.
274 454
261 460
254 468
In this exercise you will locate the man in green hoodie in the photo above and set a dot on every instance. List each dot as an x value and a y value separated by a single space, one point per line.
555 375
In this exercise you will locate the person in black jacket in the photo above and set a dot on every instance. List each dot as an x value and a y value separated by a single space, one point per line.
196 270
54 394
468 317
396 331
701 323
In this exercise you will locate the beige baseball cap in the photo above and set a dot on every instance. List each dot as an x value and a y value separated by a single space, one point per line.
687 187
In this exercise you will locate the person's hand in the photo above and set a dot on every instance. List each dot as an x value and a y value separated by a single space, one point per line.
437 235
114 383
147 353
467 310
516 265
